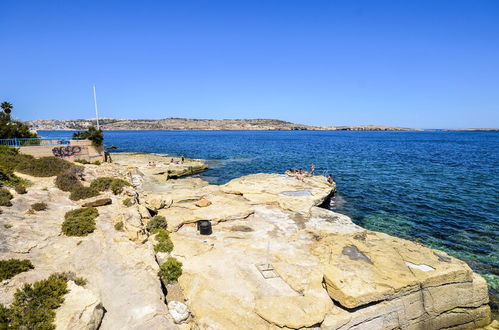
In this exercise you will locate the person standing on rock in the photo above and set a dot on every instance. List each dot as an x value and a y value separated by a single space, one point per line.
312 169
330 179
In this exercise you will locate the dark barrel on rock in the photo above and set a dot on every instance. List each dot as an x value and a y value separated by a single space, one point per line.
204 227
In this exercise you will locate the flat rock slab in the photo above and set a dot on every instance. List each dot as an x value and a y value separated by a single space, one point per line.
362 268
287 192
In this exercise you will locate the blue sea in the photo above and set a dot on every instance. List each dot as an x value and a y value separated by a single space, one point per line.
436 187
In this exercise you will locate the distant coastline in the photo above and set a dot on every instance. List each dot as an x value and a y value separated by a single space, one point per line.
113 124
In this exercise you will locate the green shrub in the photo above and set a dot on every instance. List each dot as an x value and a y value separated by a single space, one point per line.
11 267
157 222
164 244
44 167
119 226
80 281
102 184
83 193
8 178
34 305
6 150
10 162
127 202
80 222
20 190
93 134
97 162
106 183
4 317
81 161
5 197
67 181
170 270
7 225
117 186
40 206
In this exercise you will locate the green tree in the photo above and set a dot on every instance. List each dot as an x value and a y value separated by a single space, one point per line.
6 107
93 134
10 129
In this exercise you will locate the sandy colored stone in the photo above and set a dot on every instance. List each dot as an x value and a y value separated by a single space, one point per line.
361 268
222 208
178 311
293 312
203 203
143 211
81 309
287 192
157 201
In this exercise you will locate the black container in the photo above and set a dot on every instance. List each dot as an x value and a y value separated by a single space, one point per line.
204 227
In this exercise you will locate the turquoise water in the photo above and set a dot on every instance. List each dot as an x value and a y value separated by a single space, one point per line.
438 188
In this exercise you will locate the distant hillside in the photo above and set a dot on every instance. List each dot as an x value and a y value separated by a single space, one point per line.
195 124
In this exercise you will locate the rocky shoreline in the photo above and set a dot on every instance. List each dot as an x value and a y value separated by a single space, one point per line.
274 260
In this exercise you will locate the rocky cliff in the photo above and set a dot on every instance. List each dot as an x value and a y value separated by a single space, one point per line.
274 259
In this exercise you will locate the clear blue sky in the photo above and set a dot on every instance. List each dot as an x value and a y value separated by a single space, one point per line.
429 64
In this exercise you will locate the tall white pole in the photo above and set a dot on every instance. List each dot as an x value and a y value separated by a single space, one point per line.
96 110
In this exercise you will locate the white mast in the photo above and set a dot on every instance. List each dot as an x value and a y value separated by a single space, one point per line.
96 109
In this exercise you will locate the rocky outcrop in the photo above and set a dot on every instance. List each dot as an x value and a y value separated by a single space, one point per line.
287 263
120 269
98 202
274 260
81 309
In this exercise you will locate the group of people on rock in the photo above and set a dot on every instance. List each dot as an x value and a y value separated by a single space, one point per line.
172 161
181 161
300 174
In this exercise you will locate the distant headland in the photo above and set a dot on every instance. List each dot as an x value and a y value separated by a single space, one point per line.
197 124
113 124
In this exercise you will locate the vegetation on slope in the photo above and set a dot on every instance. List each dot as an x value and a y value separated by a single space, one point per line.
170 270
80 222
164 244
156 223
106 183
34 305
11 267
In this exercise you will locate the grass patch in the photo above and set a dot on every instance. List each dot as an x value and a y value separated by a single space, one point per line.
34 305
11 267
164 244
80 281
9 162
81 161
6 150
8 178
5 197
119 226
67 181
156 223
83 193
106 183
40 206
80 222
44 166
102 184
170 270
127 202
